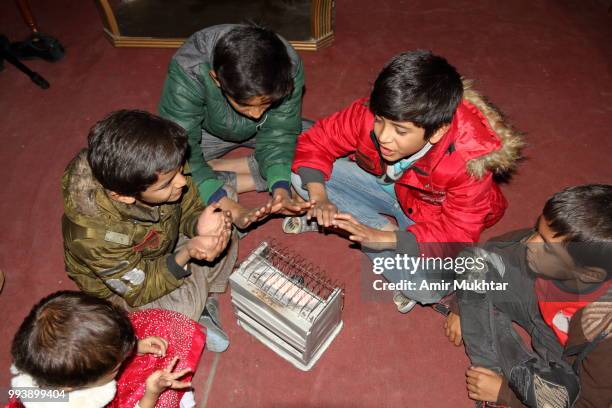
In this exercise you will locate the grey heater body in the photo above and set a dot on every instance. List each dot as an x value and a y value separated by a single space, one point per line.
286 304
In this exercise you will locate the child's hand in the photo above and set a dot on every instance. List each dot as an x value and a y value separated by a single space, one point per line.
207 247
483 384
160 381
243 217
368 237
452 328
324 211
213 221
283 203
152 345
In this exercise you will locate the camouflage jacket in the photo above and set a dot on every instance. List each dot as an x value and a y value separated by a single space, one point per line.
115 248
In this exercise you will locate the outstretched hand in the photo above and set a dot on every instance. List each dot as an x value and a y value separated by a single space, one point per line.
367 236
323 211
283 203
243 217
214 220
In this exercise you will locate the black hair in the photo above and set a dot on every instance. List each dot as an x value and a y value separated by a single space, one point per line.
128 148
71 339
252 61
582 215
417 87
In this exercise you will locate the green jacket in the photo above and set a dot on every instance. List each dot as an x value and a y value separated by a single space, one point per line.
192 99
114 248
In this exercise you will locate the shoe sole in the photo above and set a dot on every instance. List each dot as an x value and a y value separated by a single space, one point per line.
216 339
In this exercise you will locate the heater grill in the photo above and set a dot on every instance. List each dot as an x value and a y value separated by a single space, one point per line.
287 303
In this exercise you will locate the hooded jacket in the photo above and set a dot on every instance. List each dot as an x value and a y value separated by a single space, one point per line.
450 192
192 99
115 248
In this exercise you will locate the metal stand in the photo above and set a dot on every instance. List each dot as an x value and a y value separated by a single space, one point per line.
38 45
6 55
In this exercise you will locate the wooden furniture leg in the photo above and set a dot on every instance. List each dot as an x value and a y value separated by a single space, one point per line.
26 13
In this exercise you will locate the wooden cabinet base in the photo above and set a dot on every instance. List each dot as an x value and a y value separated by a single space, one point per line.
307 24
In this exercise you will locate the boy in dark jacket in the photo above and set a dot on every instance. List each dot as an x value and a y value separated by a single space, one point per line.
421 149
135 231
236 85
550 275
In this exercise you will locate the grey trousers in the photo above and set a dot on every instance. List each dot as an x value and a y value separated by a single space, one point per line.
206 277
214 147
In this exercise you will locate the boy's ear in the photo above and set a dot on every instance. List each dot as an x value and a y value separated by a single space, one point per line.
213 75
437 136
121 198
592 274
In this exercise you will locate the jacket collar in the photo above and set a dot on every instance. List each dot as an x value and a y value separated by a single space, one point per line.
426 164
136 211
470 140
85 196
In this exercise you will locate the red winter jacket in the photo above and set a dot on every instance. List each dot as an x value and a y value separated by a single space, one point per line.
450 192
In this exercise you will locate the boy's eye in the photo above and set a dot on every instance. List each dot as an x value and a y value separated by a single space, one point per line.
377 119
401 131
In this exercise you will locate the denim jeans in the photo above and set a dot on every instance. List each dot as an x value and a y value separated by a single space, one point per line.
357 192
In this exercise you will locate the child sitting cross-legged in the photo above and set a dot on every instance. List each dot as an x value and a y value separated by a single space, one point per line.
135 231
557 280
422 149
90 351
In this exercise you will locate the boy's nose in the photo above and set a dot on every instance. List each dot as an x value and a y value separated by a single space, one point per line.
536 239
180 180
256 113
385 135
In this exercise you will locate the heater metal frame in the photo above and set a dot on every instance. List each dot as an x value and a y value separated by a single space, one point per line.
287 304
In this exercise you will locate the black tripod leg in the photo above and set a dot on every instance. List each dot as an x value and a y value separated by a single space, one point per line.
35 77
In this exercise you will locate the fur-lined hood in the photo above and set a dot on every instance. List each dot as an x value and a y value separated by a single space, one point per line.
85 200
79 187
504 159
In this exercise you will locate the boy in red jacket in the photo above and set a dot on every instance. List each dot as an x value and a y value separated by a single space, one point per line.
422 149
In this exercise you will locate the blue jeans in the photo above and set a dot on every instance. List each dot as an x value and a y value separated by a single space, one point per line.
357 192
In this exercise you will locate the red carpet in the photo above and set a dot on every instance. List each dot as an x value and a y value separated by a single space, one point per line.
547 64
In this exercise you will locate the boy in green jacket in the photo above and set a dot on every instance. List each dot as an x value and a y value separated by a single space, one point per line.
237 85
